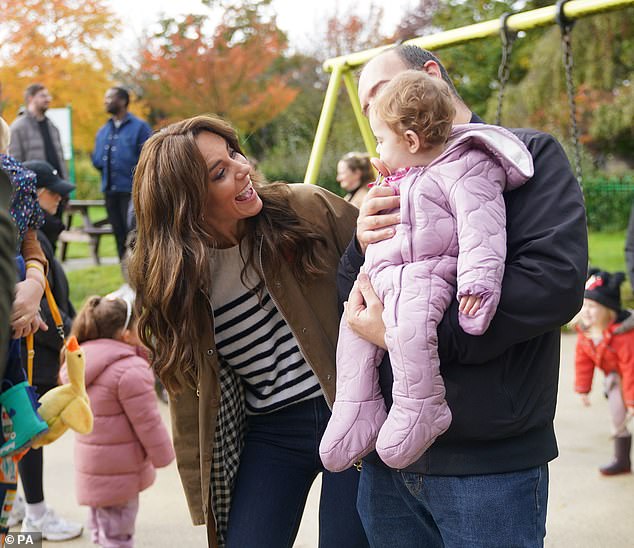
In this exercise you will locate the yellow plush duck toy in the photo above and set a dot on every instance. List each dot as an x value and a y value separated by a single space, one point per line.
67 406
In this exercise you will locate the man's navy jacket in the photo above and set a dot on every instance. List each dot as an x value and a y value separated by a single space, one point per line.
124 144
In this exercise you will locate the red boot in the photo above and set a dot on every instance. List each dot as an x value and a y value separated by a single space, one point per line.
621 463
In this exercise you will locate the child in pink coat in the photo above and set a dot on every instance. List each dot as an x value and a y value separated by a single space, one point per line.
117 460
452 234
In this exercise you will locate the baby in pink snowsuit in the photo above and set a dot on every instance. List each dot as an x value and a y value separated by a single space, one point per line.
452 233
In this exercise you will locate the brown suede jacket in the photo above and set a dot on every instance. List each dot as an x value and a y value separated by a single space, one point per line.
311 311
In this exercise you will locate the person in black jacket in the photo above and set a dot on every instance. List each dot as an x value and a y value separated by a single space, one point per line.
37 516
7 264
484 483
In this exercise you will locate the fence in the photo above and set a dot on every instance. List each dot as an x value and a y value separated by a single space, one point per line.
608 202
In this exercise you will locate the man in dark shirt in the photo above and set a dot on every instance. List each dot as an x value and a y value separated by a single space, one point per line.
33 135
484 483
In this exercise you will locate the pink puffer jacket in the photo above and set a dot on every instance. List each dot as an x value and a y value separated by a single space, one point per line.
118 458
452 210
452 232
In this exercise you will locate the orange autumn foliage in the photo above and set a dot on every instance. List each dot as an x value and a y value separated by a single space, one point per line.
61 44
230 73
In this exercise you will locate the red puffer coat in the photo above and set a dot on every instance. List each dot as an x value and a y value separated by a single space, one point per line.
614 353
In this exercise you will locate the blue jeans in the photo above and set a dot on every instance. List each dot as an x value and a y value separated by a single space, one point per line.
403 509
278 464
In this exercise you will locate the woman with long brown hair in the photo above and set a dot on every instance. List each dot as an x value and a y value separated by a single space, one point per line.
236 295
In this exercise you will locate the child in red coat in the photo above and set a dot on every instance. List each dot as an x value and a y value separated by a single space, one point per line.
600 345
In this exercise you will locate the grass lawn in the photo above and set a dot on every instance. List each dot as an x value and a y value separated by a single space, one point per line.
607 252
107 244
97 280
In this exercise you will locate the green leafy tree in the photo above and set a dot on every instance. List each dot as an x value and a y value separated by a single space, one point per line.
603 47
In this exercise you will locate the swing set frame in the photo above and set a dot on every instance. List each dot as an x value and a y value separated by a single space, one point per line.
341 68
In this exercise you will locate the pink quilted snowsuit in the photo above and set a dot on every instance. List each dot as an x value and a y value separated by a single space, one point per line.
453 225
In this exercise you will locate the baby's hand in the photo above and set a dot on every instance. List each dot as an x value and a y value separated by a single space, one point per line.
469 304
585 400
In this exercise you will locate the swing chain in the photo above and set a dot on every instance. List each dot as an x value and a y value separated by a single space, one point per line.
566 24
507 37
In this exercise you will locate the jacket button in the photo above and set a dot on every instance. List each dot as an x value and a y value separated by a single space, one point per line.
210 352
278 284
304 330
329 377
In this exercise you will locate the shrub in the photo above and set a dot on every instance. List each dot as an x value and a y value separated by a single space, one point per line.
88 179
608 202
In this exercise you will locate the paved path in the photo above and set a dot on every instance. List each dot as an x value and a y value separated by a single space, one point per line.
585 509
86 262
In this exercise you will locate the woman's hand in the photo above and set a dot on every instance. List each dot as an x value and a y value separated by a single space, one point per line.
25 317
373 224
364 310
585 400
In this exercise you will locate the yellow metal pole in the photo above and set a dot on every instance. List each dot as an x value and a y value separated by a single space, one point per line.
575 9
364 126
323 127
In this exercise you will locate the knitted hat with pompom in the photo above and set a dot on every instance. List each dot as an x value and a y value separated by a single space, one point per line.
605 288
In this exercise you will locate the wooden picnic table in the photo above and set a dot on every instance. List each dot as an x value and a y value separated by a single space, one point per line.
89 231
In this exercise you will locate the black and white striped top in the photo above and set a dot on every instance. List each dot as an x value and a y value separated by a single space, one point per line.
255 340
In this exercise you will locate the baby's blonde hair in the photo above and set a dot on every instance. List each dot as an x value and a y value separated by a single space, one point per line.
5 135
414 100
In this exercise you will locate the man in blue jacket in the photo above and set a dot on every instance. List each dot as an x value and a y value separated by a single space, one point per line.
484 483
117 149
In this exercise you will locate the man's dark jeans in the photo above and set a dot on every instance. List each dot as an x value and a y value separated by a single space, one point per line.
117 207
410 510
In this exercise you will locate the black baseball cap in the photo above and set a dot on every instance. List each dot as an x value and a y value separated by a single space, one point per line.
47 177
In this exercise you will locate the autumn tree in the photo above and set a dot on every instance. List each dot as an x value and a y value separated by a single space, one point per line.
284 145
186 70
63 45
349 30
418 20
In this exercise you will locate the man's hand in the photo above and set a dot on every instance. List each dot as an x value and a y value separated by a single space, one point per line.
585 400
372 224
364 310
